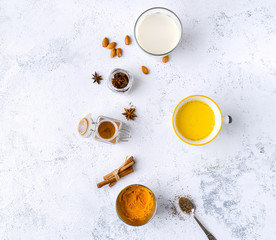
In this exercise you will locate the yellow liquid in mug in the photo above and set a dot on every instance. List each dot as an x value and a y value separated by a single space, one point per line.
195 120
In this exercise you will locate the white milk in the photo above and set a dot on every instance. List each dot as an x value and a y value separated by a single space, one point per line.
158 33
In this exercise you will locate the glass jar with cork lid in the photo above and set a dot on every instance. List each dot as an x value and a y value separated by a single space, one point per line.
105 129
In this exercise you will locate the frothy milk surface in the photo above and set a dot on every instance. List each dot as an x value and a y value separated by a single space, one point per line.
157 33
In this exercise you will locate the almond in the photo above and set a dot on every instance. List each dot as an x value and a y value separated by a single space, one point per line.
113 53
119 52
165 59
111 45
127 40
105 42
145 70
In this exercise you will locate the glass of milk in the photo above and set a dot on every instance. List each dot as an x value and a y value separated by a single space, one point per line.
158 31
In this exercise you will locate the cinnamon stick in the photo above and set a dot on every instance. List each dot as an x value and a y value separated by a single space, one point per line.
127 171
112 184
113 179
127 164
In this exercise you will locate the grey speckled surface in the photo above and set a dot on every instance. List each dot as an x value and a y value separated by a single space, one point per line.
48 174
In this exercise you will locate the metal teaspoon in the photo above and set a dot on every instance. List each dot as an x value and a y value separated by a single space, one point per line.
187 206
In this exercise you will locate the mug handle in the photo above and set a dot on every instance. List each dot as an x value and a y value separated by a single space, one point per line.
227 119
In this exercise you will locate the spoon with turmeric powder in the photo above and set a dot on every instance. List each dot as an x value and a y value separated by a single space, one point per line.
187 206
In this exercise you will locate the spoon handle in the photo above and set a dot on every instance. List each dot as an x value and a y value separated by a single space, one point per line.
208 234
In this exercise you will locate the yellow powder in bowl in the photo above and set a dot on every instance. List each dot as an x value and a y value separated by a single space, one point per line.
136 204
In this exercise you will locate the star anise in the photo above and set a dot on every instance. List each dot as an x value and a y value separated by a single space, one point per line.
120 80
129 113
97 78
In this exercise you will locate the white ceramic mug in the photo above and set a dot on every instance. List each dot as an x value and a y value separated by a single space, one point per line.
219 119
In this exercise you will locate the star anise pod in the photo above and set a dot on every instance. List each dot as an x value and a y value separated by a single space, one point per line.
120 80
129 113
97 78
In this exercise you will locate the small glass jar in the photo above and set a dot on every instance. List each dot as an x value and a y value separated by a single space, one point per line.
105 129
125 89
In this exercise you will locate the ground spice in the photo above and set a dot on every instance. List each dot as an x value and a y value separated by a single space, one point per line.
137 203
173 209
106 130
186 205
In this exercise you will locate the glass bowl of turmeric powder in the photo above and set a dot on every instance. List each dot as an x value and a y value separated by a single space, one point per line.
136 205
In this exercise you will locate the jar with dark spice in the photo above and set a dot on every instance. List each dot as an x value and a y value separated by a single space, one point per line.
120 81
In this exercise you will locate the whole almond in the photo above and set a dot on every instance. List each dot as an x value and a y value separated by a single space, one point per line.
145 70
113 53
105 42
165 59
111 45
127 40
119 52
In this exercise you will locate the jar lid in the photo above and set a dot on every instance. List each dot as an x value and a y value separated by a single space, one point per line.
86 125
83 126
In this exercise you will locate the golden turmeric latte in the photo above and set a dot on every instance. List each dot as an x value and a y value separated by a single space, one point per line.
137 203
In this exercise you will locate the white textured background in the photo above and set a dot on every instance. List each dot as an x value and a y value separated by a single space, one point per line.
48 174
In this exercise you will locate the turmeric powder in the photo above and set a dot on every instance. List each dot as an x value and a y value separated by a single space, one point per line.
137 204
